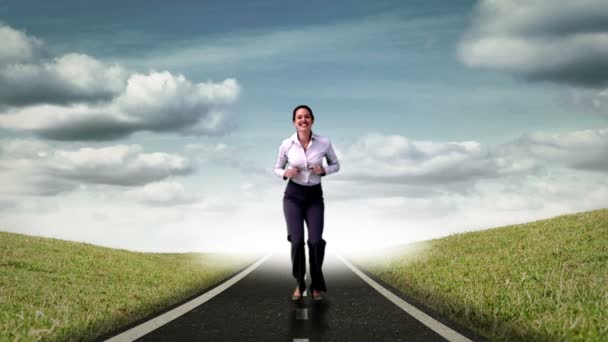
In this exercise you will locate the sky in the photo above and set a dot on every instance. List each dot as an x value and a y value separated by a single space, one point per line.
154 126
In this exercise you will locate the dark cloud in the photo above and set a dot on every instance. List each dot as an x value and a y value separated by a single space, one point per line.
90 128
541 41
587 70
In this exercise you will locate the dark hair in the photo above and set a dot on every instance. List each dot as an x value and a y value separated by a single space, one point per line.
305 107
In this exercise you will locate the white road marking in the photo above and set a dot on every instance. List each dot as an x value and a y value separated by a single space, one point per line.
300 340
302 313
156 322
425 319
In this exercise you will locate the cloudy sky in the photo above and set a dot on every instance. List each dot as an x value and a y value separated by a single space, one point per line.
154 126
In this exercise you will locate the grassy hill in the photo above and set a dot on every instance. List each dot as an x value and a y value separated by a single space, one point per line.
542 281
58 290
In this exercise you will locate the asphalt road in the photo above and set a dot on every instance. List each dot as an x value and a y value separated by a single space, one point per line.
259 308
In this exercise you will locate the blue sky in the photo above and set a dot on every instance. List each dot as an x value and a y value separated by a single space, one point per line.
447 116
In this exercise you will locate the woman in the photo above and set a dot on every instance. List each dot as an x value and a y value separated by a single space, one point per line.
301 161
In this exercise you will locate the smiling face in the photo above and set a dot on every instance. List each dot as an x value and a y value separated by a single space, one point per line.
303 121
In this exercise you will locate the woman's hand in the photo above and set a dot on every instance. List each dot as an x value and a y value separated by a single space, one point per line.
318 169
290 173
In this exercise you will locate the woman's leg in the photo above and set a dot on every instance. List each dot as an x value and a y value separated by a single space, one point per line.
294 217
314 217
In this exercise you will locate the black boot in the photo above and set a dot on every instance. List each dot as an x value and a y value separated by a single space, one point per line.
298 263
316 253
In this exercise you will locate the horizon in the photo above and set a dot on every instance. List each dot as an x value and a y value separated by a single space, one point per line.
155 128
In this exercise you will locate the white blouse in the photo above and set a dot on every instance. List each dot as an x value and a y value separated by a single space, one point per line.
292 154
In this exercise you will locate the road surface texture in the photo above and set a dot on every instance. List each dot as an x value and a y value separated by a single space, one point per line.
259 308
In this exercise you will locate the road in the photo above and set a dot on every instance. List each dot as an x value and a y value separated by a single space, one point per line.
259 308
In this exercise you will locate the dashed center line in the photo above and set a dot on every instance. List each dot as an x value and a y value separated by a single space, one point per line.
300 340
302 313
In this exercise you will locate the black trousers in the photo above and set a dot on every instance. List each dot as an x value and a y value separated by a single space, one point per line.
304 204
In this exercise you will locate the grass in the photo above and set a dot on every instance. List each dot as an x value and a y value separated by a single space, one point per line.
541 281
58 290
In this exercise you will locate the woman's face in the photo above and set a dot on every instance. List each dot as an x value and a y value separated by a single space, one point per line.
303 120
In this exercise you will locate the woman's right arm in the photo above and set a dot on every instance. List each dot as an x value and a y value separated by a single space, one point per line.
279 166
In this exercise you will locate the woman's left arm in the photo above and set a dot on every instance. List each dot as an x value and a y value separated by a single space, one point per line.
333 165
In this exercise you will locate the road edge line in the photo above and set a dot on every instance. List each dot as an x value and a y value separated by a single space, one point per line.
158 321
438 327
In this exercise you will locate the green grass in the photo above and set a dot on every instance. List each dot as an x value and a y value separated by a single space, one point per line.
58 290
542 281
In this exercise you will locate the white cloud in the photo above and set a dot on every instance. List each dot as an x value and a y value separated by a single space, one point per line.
162 101
398 159
397 212
210 151
28 77
17 46
67 79
37 169
424 168
7 204
22 148
161 194
223 154
22 172
158 102
585 149
592 100
77 97
21 180
532 17
116 165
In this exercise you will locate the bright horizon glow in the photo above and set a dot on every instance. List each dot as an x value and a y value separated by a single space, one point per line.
131 129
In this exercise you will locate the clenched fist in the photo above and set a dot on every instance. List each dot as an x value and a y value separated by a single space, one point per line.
290 173
318 169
